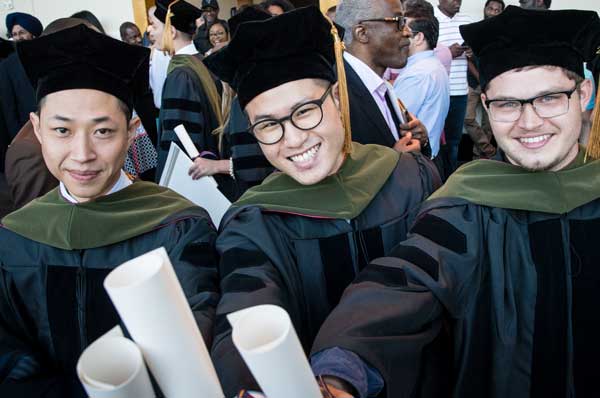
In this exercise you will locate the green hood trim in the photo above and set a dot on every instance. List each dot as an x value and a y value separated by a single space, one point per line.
130 212
343 195
498 184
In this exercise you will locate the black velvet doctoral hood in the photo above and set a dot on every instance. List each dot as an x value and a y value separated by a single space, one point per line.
266 54
80 57
518 38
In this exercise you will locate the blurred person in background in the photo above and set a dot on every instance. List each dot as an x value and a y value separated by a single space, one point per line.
480 133
21 26
210 15
130 33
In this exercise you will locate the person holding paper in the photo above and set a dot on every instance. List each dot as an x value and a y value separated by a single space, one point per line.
495 292
190 96
56 251
298 239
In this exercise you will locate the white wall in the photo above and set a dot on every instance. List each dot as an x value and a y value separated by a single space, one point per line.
112 13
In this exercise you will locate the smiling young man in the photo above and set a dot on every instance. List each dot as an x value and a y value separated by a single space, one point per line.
494 292
298 239
57 250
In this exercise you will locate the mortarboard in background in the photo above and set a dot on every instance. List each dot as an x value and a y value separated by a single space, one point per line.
183 15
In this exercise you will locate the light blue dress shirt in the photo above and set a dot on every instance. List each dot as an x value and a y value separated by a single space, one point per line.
424 88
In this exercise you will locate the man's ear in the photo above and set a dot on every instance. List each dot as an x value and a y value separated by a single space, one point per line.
360 34
35 122
586 88
134 123
335 92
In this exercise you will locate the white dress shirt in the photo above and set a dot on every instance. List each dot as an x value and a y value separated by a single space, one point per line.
376 86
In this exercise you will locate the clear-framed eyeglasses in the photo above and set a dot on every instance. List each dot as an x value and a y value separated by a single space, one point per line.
305 116
546 106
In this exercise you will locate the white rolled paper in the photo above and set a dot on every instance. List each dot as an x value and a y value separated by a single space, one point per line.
266 339
186 141
113 367
151 303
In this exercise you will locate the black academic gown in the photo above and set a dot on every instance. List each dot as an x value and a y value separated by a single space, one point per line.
303 263
53 304
184 101
480 301
18 96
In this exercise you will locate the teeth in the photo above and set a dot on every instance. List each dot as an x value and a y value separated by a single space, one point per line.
532 140
303 157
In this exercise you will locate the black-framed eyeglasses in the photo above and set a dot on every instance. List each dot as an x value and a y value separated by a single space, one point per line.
401 21
546 106
305 116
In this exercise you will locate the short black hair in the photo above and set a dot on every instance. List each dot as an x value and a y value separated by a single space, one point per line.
285 5
127 25
497 1
430 29
418 9
547 3
91 18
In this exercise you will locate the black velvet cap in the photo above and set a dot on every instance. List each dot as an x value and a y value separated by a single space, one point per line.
80 57
246 15
266 54
7 47
518 38
183 17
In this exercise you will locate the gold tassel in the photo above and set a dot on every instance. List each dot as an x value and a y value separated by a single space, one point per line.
338 46
167 38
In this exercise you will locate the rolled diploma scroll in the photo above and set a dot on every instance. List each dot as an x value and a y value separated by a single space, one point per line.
186 141
113 367
266 339
151 303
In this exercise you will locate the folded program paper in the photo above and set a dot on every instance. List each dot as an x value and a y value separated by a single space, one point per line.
204 192
113 367
266 339
151 303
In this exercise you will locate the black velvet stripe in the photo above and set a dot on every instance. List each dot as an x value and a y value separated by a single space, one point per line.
101 314
373 245
383 275
241 283
441 232
235 258
337 265
200 254
222 325
182 104
417 257
585 314
62 314
170 124
251 162
242 138
550 359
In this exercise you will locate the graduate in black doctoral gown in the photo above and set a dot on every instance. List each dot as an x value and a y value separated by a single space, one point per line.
495 292
56 251
298 239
